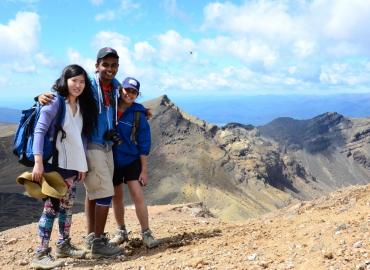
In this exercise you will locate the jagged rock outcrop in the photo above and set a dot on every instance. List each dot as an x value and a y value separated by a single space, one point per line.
314 135
334 149
257 159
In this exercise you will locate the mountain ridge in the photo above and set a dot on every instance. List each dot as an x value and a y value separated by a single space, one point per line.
241 171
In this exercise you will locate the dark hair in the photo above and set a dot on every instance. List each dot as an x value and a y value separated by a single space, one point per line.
86 100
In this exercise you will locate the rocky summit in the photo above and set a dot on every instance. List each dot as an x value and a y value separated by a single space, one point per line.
241 171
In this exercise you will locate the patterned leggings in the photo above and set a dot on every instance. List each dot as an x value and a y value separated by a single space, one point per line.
64 216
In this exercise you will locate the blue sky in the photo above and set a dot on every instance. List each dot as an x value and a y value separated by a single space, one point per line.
186 48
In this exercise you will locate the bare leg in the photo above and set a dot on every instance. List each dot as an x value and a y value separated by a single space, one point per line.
118 207
141 209
90 214
101 214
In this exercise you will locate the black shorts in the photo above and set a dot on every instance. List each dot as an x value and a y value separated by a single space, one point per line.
126 173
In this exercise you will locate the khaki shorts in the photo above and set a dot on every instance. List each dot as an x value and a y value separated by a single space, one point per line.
98 181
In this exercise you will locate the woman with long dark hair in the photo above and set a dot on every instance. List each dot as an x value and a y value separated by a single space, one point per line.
73 89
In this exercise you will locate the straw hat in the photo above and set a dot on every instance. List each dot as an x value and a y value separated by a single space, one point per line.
51 185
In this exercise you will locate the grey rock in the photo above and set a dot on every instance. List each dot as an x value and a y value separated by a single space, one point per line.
358 244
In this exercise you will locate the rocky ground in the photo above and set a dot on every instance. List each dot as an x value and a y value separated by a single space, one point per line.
332 232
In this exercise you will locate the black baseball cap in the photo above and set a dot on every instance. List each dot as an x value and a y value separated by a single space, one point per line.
103 52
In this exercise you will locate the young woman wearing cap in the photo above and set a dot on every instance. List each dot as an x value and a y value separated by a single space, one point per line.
130 162
79 121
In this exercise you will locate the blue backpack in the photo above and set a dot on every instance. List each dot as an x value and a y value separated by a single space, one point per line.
23 139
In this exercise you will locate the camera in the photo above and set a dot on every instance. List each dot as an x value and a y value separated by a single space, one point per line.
112 135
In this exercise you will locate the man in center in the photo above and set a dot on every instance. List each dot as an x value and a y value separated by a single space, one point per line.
98 182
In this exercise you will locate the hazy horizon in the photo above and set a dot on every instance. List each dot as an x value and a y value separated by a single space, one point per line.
255 110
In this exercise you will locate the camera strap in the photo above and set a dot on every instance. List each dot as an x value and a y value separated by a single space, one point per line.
135 127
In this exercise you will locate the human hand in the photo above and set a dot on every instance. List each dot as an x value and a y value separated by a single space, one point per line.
81 176
143 178
38 170
45 98
122 92
148 113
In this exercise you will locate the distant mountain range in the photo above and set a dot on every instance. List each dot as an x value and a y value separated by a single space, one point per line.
260 110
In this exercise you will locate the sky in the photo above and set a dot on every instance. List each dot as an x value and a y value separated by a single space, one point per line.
186 48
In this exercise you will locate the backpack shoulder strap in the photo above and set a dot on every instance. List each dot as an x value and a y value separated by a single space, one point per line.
61 111
59 127
135 126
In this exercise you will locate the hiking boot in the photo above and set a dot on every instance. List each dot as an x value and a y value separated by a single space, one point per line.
102 248
120 237
88 241
149 240
66 249
44 260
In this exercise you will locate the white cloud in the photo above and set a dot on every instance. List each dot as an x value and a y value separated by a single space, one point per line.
342 49
345 73
110 39
125 7
297 42
171 7
348 20
20 37
304 48
248 51
232 79
297 26
19 44
23 67
144 51
173 47
44 60
96 2
74 57
128 5
292 69
108 15
341 26
269 19
267 45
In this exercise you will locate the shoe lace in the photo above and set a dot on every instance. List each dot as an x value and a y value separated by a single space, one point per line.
49 257
148 233
69 245
105 239
46 256
110 245
89 237
122 232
